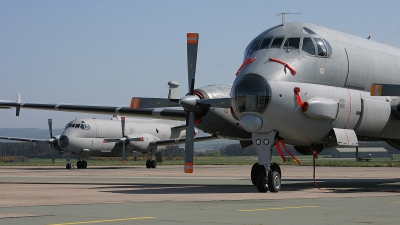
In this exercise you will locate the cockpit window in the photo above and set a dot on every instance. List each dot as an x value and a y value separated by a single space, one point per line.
308 46
265 43
276 43
77 126
291 44
85 127
329 48
255 46
321 47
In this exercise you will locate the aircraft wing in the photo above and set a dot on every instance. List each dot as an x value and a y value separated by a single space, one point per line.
172 114
181 140
25 139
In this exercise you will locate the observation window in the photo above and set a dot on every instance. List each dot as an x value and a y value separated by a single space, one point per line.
307 31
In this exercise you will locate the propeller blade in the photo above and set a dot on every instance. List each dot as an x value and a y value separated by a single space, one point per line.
192 43
123 153
140 103
189 143
53 160
215 102
50 122
109 140
123 135
385 90
123 125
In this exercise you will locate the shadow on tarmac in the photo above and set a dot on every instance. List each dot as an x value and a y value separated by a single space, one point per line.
332 185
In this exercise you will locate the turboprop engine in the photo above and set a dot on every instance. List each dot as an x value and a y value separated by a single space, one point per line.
144 145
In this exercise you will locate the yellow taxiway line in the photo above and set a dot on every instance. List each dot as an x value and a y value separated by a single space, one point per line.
105 221
282 208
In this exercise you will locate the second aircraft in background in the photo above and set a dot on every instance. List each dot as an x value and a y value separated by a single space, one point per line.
116 138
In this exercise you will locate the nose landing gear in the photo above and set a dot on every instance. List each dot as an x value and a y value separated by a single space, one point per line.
264 174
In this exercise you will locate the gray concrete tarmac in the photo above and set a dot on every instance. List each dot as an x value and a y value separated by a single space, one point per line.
211 195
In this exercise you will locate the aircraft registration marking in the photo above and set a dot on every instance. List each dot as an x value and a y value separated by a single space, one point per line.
105 221
280 208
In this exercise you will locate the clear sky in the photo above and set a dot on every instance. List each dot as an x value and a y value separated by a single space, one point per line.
106 52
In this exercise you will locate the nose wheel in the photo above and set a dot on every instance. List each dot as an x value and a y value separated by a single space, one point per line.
272 182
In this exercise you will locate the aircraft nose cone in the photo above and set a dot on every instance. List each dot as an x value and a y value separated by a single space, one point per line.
252 123
63 141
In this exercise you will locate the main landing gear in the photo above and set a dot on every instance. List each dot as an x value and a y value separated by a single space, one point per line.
150 163
81 164
264 174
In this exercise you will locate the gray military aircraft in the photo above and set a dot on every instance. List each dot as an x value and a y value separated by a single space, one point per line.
115 138
300 83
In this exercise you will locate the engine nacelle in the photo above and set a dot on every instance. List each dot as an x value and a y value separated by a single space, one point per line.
395 143
57 146
144 145
221 121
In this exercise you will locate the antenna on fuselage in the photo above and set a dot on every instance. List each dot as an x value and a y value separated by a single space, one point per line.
284 16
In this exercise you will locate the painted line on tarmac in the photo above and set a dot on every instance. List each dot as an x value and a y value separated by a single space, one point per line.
105 221
398 202
282 208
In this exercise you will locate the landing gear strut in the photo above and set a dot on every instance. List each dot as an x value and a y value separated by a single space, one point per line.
69 164
264 174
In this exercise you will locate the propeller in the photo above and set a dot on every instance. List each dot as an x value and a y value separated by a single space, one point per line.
124 140
53 141
189 101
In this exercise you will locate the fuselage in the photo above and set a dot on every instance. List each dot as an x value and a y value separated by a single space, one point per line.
86 136
331 69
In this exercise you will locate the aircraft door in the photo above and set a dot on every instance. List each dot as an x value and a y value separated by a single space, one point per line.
358 69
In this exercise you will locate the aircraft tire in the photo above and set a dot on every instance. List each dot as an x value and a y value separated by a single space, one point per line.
148 164
84 164
154 164
262 184
254 172
277 168
79 164
274 181
68 166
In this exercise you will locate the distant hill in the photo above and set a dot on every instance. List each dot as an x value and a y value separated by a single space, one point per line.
28 133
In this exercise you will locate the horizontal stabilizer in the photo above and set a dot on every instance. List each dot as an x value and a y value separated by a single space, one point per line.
385 90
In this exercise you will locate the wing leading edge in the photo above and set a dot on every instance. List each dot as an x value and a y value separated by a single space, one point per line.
172 114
